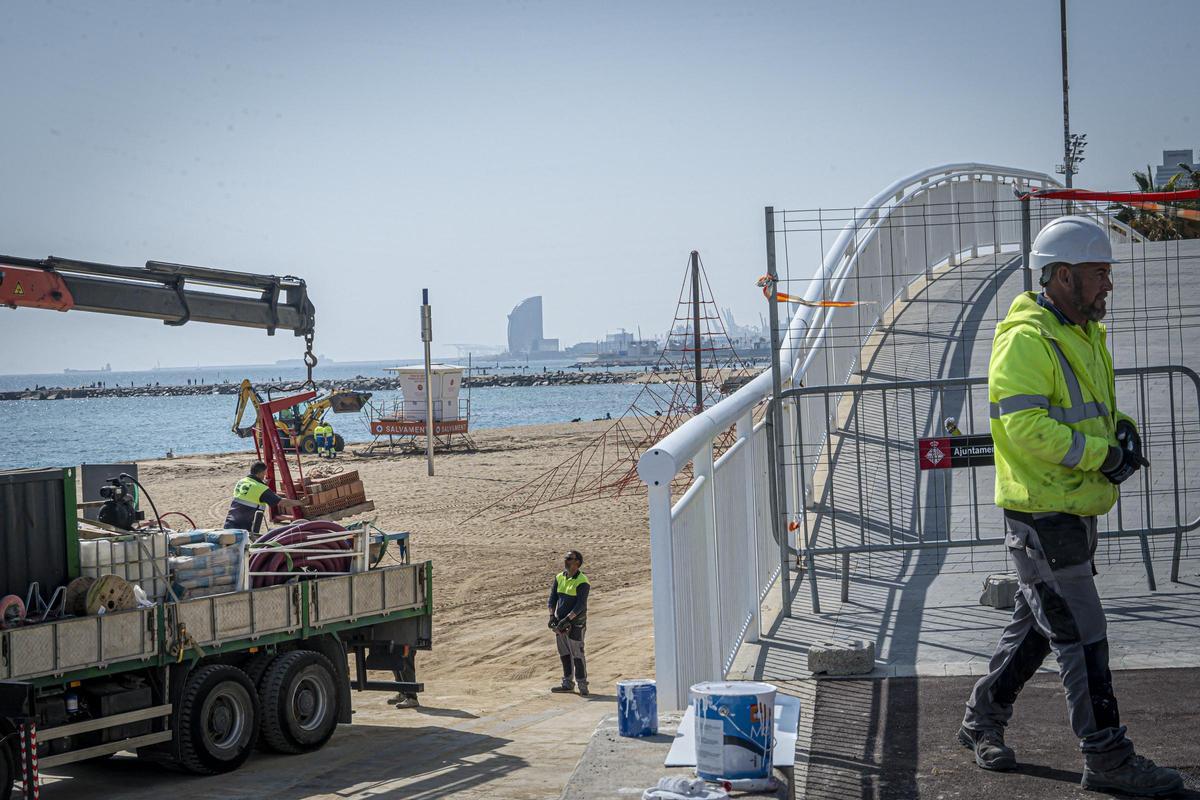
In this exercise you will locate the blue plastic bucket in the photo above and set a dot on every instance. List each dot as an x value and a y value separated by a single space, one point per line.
637 708
734 731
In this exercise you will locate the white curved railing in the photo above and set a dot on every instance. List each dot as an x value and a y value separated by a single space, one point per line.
715 552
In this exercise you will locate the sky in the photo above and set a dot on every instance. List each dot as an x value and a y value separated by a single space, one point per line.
492 151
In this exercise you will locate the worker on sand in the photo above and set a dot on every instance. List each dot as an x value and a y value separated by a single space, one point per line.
1062 450
568 619
319 438
330 451
406 673
251 498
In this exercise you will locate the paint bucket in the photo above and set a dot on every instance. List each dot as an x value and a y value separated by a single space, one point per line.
734 732
637 708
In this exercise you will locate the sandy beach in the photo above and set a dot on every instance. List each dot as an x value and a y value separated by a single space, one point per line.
493 660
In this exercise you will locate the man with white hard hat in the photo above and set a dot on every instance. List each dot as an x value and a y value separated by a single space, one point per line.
1062 451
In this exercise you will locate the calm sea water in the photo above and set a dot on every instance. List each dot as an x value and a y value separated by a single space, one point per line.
56 433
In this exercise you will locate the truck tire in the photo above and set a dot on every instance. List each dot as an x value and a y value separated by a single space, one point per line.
308 444
217 722
300 702
339 444
8 771
255 668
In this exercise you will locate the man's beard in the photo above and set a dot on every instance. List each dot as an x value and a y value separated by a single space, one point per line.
1093 311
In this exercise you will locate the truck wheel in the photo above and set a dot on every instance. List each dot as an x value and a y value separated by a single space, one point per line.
217 723
339 444
255 667
308 445
8 771
300 702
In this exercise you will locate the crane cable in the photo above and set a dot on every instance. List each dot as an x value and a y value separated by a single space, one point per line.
310 360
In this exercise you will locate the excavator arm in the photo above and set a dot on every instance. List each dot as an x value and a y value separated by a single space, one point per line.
159 291
246 396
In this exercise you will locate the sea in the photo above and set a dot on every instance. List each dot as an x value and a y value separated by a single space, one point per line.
69 432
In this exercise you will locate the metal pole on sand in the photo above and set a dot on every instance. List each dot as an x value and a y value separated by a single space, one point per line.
427 338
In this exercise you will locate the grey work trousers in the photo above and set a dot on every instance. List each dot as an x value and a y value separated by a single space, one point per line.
570 652
1057 609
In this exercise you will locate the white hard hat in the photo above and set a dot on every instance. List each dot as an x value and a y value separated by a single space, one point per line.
1071 240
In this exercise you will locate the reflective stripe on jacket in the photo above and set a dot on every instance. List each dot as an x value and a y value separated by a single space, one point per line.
1053 412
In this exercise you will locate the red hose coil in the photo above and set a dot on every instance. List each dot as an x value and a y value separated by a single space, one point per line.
340 556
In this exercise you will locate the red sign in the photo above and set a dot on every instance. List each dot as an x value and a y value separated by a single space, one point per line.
934 453
951 452
416 427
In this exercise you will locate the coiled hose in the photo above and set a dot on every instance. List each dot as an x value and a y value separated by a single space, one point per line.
299 533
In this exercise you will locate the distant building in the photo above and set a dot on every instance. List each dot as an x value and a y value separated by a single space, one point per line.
583 349
525 329
1170 166
617 343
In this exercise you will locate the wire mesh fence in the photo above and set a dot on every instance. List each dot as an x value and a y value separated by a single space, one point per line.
921 288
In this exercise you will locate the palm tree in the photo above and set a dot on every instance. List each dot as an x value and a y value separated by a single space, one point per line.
1155 225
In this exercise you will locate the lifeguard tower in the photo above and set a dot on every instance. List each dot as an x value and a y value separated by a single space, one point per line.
401 425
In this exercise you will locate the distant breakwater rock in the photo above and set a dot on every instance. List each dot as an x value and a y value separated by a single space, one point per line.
361 383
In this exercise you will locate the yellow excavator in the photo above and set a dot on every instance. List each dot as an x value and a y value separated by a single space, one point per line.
297 423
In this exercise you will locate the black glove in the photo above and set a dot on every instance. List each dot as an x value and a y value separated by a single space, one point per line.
564 627
1129 440
1126 458
553 623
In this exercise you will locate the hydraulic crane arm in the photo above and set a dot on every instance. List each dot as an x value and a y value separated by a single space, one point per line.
159 291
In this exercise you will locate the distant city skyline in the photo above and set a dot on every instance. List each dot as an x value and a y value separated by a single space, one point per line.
491 152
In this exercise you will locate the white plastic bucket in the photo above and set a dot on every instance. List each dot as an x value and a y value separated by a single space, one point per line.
734 731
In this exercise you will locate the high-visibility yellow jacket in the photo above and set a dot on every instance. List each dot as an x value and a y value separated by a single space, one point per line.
1053 411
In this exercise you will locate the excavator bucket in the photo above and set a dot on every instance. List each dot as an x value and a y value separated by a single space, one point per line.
347 402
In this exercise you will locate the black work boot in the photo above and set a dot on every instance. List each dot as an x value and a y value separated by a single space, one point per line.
989 747
583 688
1136 775
566 686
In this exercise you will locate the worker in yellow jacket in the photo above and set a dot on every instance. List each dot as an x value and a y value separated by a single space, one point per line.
1062 451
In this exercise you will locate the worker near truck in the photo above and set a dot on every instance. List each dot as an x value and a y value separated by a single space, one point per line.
1062 450
568 619
251 499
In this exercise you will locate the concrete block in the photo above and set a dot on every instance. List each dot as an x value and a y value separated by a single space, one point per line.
999 591
855 657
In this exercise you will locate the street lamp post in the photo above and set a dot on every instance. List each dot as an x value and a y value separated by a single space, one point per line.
1073 143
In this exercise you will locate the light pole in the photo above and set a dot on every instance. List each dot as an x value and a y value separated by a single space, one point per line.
427 338
1073 144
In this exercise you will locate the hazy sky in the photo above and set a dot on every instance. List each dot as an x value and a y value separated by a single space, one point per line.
492 151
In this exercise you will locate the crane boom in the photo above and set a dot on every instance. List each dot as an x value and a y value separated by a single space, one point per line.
159 291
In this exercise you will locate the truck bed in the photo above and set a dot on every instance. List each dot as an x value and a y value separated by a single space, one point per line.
84 647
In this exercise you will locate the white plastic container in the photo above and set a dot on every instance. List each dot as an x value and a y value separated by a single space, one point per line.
735 732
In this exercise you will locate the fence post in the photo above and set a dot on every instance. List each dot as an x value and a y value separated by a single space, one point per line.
1026 242
703 464
662 584
774 426
745 432
792 498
